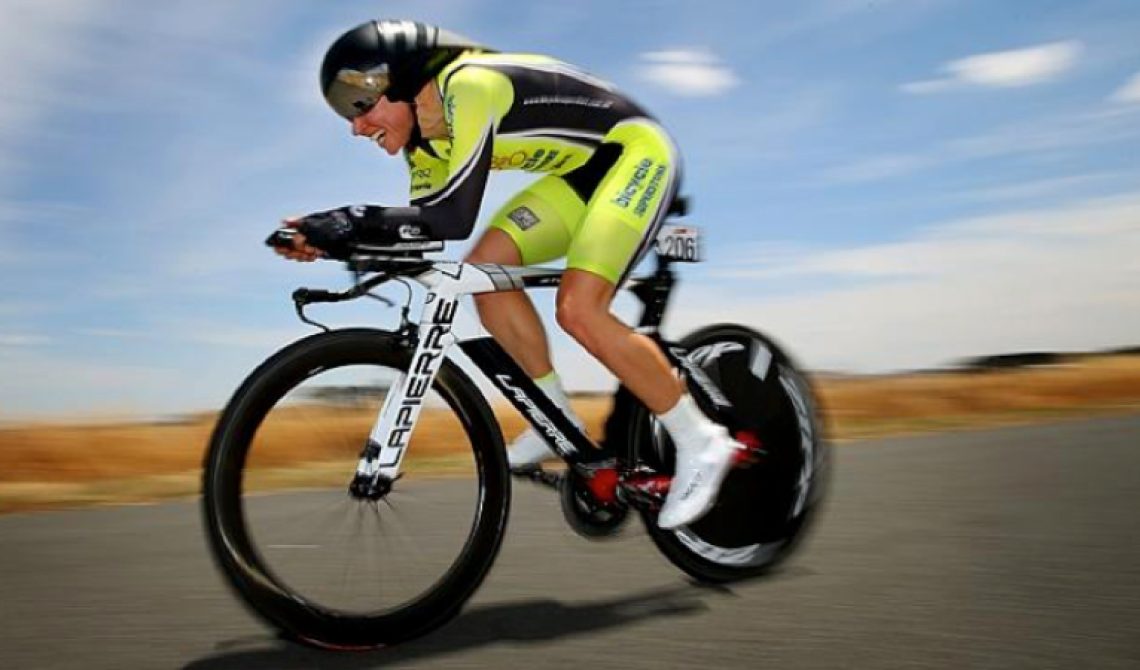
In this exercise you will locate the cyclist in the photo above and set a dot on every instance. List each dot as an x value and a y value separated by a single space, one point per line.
456 110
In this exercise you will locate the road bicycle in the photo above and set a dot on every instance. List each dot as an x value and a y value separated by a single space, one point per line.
345 527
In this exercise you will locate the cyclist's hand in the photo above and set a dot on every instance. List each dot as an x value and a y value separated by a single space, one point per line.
329 234
337 233
332 233
301 251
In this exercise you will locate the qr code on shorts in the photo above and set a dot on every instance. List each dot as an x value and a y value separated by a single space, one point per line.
523 217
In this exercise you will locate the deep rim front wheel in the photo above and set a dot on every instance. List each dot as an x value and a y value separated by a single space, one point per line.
328 567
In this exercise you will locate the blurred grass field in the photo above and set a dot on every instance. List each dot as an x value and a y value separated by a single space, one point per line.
51 465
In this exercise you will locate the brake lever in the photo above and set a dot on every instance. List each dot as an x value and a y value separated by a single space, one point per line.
303 297
304 319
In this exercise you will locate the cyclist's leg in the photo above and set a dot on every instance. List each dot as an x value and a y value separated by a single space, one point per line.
621 221
584 312
622 218
533 227
510 315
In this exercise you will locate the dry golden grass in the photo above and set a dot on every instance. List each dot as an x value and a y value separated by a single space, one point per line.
865 406
49 465
44 465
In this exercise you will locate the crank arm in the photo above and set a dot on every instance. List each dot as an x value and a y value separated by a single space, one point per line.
536 474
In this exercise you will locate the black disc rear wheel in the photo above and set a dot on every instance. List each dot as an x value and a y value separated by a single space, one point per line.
371 566
762 509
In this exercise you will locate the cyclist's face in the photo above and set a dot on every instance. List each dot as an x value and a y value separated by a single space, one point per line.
388 123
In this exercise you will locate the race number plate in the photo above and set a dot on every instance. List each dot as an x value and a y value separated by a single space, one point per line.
679 243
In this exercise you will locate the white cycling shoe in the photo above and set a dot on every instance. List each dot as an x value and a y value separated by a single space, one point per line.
527 450
699 473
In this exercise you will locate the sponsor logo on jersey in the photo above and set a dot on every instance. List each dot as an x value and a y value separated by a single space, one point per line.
650 191
523 159
532 161
646 181
508 161
548 159
524 217
626 195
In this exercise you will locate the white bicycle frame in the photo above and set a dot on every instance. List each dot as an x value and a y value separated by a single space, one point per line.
445 322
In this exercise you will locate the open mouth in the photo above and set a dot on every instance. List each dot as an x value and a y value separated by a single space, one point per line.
378 137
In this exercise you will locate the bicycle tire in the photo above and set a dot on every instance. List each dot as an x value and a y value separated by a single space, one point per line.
223 506
719 547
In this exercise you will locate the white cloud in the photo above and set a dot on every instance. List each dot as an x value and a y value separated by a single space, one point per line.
1020 67
89 55
37 42
1057 134
13 340
875 168
690 72
1003 69
1042 188
112 333
1129 93
1062 278
927 86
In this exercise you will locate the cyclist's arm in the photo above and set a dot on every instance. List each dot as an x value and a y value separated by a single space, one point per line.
427 170
446 194
475 100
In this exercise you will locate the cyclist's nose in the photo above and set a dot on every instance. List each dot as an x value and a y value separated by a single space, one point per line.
358 126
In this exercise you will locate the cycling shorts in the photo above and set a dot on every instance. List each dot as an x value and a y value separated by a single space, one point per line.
604 215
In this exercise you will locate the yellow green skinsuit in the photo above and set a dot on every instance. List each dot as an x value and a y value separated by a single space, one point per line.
611 172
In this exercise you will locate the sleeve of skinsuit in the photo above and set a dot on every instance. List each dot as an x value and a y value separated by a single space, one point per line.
475 100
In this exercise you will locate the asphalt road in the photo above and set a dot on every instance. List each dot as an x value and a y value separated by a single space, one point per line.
1014 548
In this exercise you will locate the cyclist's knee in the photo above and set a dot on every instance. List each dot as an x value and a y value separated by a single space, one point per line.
575 320
582 305
578 315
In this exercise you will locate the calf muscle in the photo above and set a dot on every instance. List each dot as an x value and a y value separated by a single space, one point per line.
584 312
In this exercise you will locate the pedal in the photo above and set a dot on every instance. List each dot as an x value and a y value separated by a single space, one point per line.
645 489
536 474
753 450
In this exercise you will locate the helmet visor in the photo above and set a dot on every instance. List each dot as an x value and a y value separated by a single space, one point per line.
352 92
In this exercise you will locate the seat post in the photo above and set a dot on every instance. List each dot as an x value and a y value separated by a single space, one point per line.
654 293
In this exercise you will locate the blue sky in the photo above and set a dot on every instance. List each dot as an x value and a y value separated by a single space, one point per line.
883 184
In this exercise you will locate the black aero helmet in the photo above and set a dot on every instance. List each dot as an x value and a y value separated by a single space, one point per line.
392 58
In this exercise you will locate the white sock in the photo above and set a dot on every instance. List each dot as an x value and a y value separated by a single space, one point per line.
687 424
551 385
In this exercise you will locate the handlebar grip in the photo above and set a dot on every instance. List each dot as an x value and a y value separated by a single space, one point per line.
310 295
282 238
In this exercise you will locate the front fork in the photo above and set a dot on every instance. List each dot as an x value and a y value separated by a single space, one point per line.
380 461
